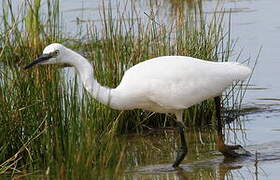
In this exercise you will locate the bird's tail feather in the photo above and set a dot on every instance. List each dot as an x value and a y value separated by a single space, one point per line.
241 71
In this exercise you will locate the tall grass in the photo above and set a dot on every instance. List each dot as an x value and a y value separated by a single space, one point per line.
24 32
49 127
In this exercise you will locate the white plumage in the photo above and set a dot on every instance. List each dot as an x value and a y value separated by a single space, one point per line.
167 84
171 83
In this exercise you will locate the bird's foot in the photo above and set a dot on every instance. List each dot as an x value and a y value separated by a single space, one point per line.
234 151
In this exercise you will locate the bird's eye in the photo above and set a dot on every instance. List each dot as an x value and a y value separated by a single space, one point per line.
56 52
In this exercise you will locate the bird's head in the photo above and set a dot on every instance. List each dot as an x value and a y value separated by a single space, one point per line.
52 54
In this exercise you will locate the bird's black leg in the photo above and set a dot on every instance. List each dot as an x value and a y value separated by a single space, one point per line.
229 151
183 150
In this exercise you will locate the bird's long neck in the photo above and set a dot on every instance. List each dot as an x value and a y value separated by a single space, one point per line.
85 70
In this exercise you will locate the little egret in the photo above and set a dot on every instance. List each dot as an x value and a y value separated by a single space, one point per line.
167 84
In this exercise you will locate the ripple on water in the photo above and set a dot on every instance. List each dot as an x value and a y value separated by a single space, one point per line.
191 166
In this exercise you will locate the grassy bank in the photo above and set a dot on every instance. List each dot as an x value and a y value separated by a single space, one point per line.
48 127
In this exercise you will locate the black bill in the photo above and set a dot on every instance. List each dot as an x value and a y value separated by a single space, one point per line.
40 59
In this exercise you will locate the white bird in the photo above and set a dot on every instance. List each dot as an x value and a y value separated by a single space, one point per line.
166 84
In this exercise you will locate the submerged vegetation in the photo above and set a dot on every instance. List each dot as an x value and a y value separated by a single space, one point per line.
49 126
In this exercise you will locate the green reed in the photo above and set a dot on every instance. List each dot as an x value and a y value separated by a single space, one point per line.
24 32
50 128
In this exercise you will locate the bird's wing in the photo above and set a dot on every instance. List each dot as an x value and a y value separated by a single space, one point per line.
178 82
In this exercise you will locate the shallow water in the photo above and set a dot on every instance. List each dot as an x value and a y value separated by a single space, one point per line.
260 27
153 155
